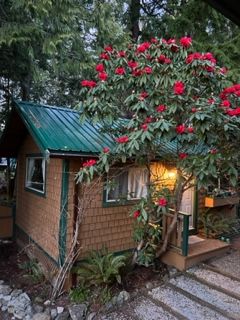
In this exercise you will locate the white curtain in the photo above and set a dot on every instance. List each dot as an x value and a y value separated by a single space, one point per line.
43 171
137 182
30 170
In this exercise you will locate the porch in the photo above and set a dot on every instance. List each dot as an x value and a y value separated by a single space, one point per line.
186 250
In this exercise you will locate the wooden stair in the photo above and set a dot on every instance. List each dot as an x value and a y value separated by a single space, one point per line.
198 252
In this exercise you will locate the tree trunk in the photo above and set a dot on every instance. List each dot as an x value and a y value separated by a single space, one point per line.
134 13
178 199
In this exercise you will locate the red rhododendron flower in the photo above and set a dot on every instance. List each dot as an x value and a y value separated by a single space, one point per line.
143 47
103 76
148 70
100 67
210 68
194 109
144 127
211 101
226 103
182 155
132 64
104 56
161 58
171 41
106 150
161 108
88 83
190 129
154 40
178 87
136 214
162 202
122 139
143 95
186 42
108 48
234 112
213 151
167 61
149 119
89 163
174 47
120 71
180 129
137 73
121 54
223 70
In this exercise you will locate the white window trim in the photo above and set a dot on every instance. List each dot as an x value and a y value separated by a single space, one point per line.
42 192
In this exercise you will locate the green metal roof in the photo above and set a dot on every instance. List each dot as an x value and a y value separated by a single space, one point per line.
59 129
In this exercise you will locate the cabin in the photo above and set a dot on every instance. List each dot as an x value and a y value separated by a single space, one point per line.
50 145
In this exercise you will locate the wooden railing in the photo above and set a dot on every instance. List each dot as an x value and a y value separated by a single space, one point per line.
180 234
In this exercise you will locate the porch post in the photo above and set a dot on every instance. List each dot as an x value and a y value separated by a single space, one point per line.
185 235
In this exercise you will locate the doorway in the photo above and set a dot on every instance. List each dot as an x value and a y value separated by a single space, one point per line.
188 205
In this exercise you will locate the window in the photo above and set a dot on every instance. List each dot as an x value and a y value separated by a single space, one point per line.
127 185
35 174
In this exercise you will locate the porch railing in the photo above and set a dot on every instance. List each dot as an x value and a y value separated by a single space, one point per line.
180 234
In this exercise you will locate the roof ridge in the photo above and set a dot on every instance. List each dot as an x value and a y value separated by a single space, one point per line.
40 105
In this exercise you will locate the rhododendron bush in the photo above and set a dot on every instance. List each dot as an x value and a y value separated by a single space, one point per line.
158 92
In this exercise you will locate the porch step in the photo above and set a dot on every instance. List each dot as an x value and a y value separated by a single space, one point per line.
198 252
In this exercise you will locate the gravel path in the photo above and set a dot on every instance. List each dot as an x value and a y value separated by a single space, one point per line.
203 292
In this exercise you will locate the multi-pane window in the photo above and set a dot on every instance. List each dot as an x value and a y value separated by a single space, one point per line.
35 174
130 184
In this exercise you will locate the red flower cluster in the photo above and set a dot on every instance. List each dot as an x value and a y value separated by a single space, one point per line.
106 150
122 139
88 83
89 163
143 95
149 119
137 73
225 104
136 214
180 129
108 48
120 71
162 202
200 56
144 127
143 47
213 151
161 108
148 70
103 76
121 54
99 67
132 64
104 56
190 129
182 155
178 87
163 59
235 90
186 42
233 112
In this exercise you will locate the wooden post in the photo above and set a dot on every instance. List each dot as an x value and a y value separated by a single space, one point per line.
185 235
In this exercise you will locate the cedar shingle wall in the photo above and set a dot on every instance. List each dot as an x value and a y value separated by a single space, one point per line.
36 215
110 227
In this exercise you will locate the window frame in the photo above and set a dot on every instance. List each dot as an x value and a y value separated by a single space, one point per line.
29 188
